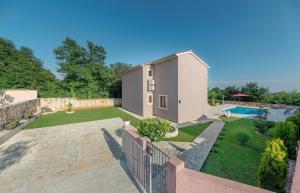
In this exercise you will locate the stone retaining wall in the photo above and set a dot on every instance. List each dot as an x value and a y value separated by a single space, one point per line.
16 112
61 104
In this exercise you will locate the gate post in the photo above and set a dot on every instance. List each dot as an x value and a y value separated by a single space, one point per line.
174 165
143 141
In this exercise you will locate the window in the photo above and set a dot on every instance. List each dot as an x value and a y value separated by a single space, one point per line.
163 101
150 73
150 99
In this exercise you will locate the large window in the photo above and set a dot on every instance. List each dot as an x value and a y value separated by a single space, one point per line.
150 99
163 101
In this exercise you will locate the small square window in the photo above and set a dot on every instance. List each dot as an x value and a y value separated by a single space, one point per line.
150 73
150 99
163 101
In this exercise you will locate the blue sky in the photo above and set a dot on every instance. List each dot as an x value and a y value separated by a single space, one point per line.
242 41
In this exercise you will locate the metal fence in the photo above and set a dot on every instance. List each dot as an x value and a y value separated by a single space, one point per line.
149 168
159 161
138 162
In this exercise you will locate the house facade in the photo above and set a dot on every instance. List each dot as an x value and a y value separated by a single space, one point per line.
174 88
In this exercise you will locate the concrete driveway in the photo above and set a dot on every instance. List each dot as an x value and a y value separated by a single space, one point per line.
74 158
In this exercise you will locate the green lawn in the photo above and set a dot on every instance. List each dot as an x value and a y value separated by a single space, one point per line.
61 118
188 134
232 160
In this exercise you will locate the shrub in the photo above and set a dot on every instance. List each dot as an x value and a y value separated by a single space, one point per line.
212 101
287 132
242 137
264 126
295 119
155 129
272 171
70 107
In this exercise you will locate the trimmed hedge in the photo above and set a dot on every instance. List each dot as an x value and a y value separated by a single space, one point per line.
287 132
273 168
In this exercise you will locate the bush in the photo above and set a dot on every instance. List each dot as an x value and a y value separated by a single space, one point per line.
264 126
242 137
212 101
295 119
287 132
272 171
155 129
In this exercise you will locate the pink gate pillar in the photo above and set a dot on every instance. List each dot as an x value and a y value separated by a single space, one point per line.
174 165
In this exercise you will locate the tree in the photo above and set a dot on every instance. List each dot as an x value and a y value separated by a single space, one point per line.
287 132
256 93
85 74
21 69
115 89
272 171
229 91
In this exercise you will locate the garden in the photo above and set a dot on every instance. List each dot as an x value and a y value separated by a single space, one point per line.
62 118
254 152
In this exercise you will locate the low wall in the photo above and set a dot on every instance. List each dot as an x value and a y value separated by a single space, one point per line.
21 95
254 104
296 178
181 180
15 112
61 104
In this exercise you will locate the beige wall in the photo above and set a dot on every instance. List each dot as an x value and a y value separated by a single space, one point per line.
21 95
192 88
165 75
132 91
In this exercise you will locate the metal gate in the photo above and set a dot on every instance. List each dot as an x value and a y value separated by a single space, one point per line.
148 167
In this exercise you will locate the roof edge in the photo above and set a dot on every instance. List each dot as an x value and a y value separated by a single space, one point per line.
166 58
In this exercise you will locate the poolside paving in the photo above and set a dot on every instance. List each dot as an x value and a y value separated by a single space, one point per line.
75 158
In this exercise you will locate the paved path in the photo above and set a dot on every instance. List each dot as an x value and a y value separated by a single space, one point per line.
195 156
74 158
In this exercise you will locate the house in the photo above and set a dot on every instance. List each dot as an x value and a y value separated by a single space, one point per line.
174 88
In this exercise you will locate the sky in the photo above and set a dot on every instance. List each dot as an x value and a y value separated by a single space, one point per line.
241 41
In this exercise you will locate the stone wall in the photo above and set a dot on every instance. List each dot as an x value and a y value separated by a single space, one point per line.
16 112
61 104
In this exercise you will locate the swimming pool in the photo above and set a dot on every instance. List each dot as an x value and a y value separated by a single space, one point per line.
245 110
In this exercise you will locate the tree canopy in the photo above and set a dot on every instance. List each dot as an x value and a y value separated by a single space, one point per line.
21 69
84 72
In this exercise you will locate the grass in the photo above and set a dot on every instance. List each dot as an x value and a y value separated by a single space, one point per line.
232 160
188 134
61 118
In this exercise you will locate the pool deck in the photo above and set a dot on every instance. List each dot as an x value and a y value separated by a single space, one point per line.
275 115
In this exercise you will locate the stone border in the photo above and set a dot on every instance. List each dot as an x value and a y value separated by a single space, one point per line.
173 133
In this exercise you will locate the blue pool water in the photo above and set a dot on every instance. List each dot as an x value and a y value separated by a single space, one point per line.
245 110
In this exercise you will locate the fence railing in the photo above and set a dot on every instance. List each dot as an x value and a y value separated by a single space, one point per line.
147 163
159 161
138 162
